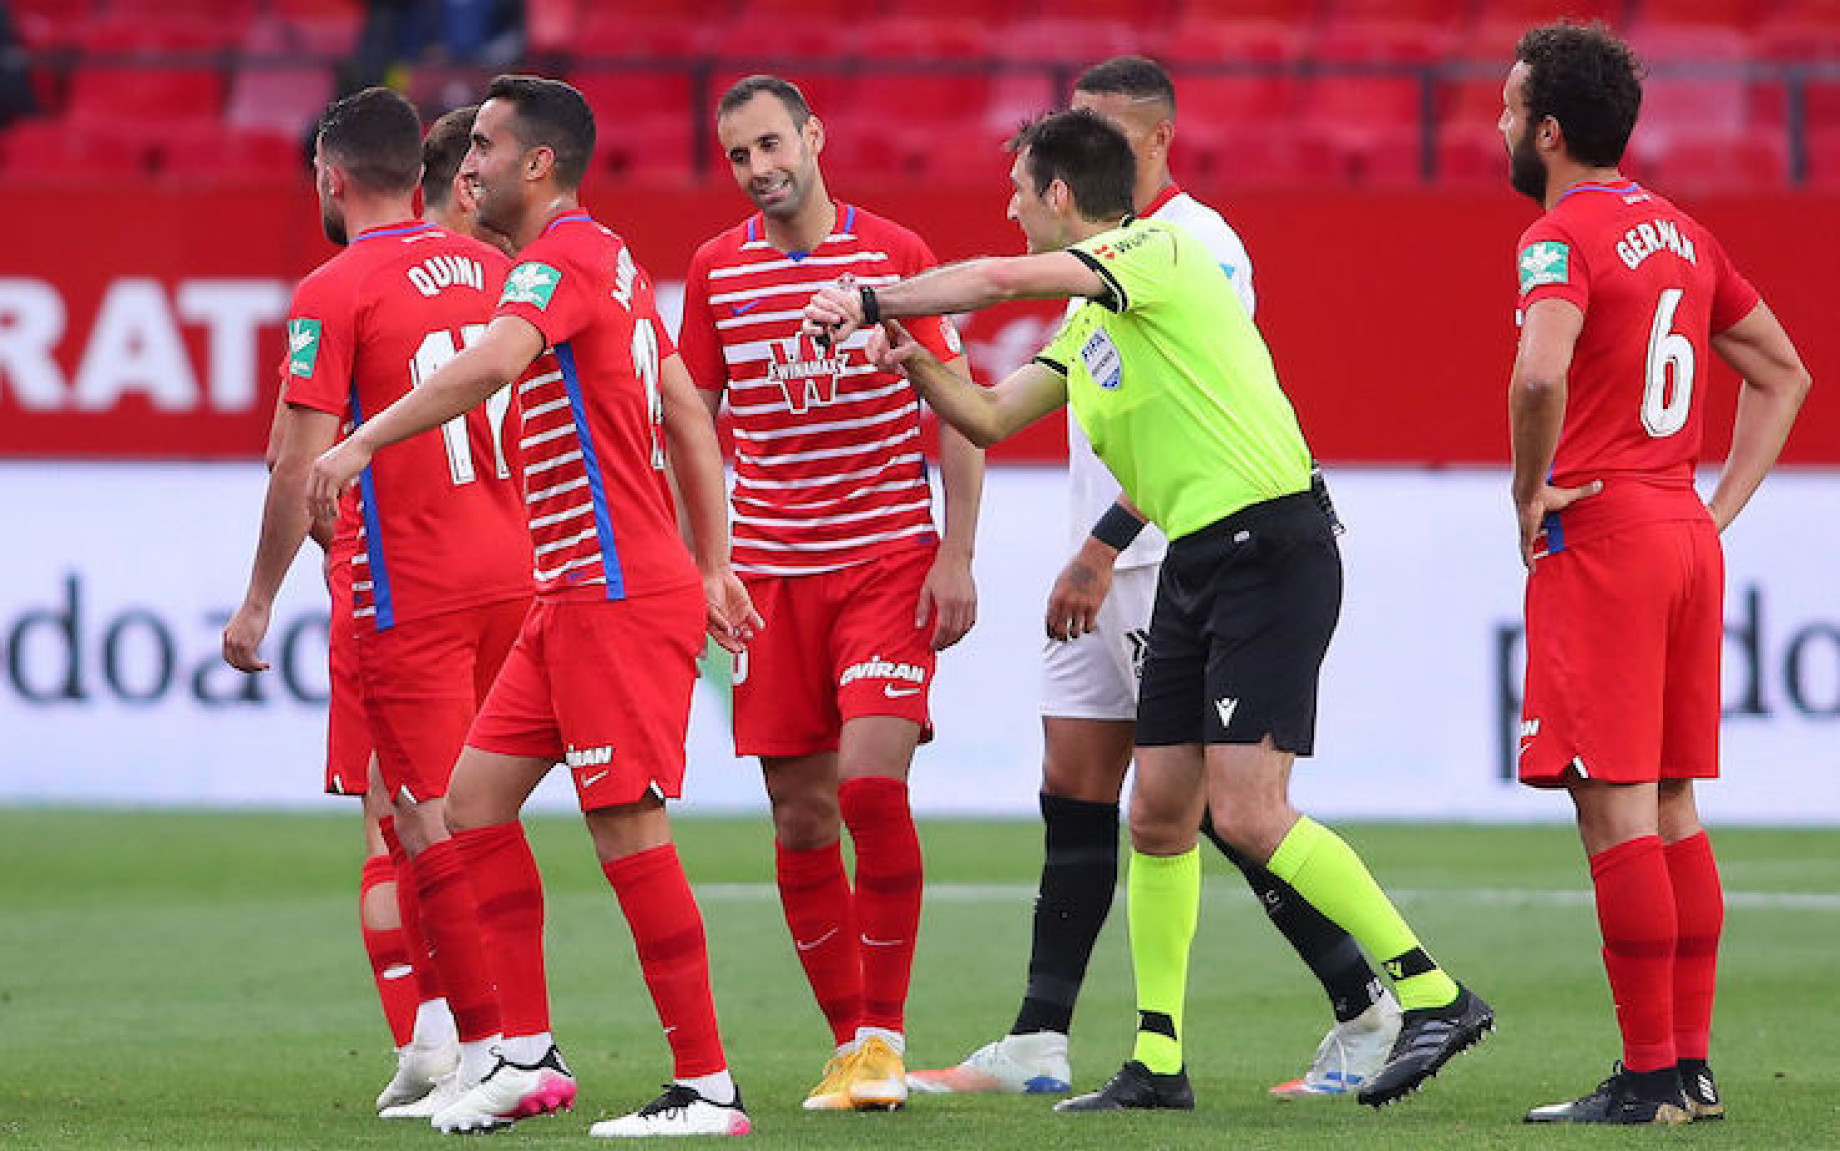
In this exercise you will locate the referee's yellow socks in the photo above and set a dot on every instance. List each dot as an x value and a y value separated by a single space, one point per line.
1328 873
1164 893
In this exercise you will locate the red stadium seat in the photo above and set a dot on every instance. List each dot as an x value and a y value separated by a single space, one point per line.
1202 38
56 150
1076 43
610 34
1732 14
1466 155
921 95
217 154
1291 11
551 25
1745 162
920 38
1823 153
1800 30
1232 100
1498 24
1253 155
1369 123
139 95
278 98
1443 13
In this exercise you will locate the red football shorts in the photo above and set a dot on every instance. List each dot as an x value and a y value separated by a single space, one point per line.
836 646
348 736
423 681
603 686
1624 637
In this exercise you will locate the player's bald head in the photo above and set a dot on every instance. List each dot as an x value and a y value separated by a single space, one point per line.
375 137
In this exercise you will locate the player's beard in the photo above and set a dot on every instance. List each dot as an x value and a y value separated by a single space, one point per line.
334 224
1526 171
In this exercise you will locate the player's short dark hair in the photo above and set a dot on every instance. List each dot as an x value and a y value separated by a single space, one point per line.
553 115
1085 151
1138 77
1586 78
376 137
785 91
443 148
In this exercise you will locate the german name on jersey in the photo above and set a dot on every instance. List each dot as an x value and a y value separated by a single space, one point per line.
1653 286
602 523
438 521
828 467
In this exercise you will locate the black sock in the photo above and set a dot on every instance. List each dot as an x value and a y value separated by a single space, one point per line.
1078 877
1346 977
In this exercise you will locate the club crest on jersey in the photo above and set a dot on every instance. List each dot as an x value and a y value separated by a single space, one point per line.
806 374
303 346
533 283
1547 262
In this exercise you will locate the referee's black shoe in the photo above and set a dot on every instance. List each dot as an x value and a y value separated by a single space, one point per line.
1136 1088
1428 1038
1702 1091
1626 1099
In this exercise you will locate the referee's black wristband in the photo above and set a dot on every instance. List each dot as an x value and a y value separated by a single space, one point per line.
872 308
1117 528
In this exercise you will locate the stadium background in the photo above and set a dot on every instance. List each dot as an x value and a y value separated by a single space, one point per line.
159 216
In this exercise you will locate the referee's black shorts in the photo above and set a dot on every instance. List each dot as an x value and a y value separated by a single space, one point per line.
1244 611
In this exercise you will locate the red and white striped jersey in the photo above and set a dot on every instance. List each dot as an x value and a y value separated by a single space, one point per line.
828 467
602 523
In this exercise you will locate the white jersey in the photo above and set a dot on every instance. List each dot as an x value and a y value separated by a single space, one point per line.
1091 486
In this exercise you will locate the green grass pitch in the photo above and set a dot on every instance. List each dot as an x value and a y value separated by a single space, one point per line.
180 980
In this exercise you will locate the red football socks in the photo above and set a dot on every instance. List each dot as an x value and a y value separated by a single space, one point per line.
1699 910
667 933
409 912
391 965
889 881
450 920
510 893
1635 911
814 891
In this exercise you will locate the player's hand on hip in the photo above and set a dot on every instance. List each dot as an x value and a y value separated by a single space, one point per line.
1075 599
1532 515
732 620
332 473
833 314
948 599
243 635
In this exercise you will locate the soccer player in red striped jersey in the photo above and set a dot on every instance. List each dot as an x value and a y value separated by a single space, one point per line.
437 579
601 675
1622 298
834 535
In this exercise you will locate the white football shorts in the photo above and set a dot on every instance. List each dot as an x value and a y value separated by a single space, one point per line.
1096 676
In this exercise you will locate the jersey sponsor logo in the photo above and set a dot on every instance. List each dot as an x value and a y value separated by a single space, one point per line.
533 283
954 344
580 757
806 376
1545 262
303 346
1103 363
875 667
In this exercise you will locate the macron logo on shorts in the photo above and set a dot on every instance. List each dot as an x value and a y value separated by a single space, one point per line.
1225 708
